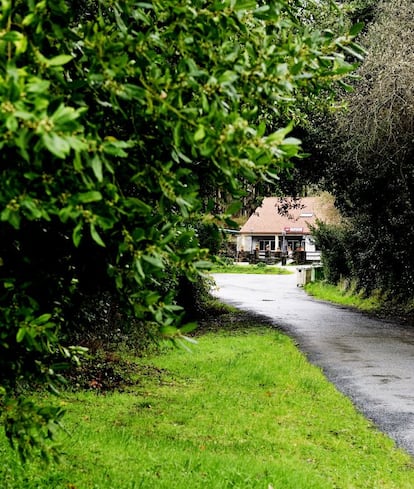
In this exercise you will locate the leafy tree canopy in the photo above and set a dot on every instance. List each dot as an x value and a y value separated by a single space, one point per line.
115 118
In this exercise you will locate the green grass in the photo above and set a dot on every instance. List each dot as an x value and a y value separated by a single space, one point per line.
344 296
243 410
260 268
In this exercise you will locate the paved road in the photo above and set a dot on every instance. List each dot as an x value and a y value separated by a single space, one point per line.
369 360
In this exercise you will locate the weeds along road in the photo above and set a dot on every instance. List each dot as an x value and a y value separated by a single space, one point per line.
369 360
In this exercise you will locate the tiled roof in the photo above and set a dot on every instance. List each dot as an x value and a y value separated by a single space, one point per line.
268 219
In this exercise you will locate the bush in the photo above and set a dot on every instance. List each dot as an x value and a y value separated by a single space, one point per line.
332 240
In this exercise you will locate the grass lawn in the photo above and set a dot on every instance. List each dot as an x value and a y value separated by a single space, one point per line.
244 409
259 268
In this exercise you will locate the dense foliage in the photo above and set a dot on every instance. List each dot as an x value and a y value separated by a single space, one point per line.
316 115
331 238
117 118
369 147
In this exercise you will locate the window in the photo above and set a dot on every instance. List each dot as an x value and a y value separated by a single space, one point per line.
267 242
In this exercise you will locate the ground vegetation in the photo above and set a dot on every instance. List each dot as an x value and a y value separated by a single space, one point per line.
243 409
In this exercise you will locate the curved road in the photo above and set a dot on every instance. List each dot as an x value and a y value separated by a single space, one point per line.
369 360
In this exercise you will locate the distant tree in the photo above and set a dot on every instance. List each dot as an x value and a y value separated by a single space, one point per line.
117 117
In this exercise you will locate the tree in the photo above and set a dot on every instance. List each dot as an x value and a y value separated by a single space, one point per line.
314 113
116 117
370 170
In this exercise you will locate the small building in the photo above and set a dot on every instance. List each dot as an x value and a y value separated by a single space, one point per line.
281 228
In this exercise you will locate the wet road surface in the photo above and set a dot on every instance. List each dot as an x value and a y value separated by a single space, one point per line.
369 360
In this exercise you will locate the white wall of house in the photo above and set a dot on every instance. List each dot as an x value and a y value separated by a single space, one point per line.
248 243
245 243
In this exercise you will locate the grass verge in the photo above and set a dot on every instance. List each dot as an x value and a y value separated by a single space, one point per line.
260 268
381 303
244 410
344 296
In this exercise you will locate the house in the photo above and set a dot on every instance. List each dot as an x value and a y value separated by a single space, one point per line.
281 228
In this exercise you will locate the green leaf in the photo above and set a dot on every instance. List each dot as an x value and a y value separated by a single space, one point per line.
96 164
29 19
21 114
342 67
358 48
77 234
346 86
289 151
353 53
31 175
13 219
38 86
199 134
279 135
59 60
138 205
153 260
228 77
356 29
245 4
42 319
187 328
95 235
184 205
87 197
56 144
205 104
119 282
116 148
12 123
21 333
12 36
292 141
138 268
151 298
64 114
77 162
177 134
33 211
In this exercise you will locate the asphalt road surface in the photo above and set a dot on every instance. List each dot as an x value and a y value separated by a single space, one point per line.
369 360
